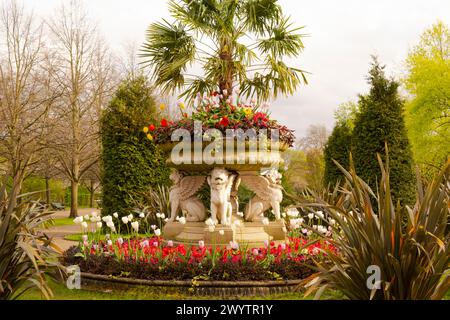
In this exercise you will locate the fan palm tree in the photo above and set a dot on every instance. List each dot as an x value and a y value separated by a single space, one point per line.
239 43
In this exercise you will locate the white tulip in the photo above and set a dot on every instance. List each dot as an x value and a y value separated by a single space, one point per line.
332 222
182 220
135 226
153 227
109 243
157 232
201 243
120 241
99 225
211 228
115 215
304 230
163 216
130 217
86 217
320 214
166 220
234 245
107 218
78 220
84 225
125 220
310 215
221 232
141 215
158 215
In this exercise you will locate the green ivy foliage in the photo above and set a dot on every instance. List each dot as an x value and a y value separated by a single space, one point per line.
131 163
338 148
380 122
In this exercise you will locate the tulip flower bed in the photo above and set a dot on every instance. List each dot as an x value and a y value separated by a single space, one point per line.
151 259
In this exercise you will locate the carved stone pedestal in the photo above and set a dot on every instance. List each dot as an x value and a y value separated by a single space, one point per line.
247 234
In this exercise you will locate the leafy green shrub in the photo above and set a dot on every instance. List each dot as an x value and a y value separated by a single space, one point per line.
414 263
131 163
379 122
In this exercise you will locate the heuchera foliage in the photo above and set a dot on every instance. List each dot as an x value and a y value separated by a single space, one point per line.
131 163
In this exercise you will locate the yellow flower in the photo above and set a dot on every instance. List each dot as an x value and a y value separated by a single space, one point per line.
162 106
181 105
248 111
150 137
145 129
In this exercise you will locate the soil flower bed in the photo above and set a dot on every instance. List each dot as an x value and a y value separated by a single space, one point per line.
153 259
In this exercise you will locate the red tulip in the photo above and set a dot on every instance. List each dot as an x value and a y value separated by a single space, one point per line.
151 127
224 122
164 123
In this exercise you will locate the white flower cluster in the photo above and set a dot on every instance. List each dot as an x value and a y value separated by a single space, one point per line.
296 223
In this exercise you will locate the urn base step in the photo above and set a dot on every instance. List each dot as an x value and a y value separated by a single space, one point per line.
246 234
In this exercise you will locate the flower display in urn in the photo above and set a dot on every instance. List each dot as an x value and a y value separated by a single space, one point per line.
224 134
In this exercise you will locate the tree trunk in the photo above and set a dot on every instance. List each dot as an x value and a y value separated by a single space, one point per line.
74 200
92 190
47 190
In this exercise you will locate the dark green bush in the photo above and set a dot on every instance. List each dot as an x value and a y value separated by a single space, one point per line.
380 122
338 148
131 163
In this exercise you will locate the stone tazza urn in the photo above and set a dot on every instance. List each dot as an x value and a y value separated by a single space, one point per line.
224 165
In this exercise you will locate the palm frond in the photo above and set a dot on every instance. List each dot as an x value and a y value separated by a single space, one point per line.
169 50
282 41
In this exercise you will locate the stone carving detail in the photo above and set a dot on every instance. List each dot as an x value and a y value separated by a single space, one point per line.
268 190
182 197
221 183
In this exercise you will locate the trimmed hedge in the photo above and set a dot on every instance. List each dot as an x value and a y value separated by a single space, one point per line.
131 163
380 122
338 148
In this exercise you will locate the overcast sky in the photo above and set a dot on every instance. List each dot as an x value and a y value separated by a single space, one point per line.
342 36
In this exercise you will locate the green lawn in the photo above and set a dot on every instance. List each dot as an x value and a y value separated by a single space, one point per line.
62 222
62 293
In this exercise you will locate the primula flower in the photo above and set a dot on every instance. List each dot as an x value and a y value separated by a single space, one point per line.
151 127
248 111
149 137
181 105
145 129
162 106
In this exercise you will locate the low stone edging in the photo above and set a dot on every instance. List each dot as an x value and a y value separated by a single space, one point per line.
195 287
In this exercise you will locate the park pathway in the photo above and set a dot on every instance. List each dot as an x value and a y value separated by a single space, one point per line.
59 232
